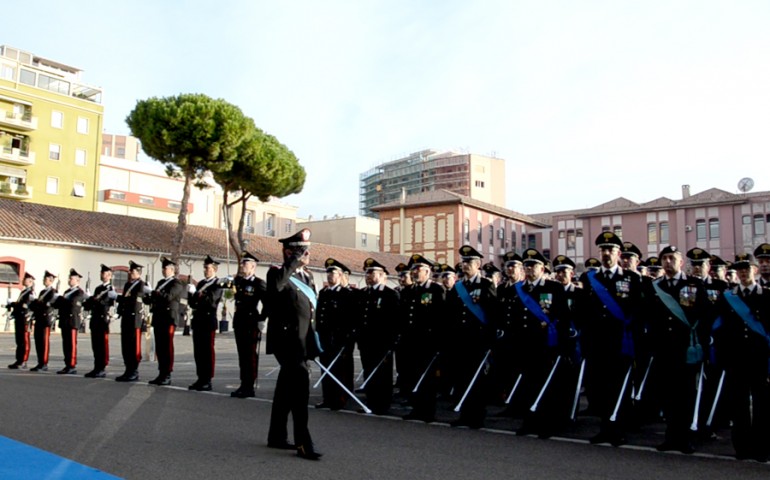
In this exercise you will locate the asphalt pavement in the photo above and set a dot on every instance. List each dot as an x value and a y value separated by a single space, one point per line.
141 431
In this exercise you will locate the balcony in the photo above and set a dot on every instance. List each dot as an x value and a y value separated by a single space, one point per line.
15 190
16 156
24 122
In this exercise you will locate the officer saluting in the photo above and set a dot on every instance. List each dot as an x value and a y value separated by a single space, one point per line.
130 304
99 305
249 291
70 306
20 311
204 299
165 316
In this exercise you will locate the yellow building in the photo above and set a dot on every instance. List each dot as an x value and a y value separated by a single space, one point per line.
50 132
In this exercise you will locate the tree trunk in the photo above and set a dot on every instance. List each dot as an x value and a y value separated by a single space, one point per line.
181 225
228 226
242 220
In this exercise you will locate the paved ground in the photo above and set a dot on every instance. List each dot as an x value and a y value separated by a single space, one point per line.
140 431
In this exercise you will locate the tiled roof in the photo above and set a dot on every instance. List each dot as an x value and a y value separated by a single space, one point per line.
54 225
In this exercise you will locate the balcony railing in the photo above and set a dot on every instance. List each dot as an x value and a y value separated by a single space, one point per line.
23 121
15 155
15 190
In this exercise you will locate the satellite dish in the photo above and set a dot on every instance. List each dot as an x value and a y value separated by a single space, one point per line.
745 184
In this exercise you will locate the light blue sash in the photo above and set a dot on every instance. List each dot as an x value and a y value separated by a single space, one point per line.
537 310
468 302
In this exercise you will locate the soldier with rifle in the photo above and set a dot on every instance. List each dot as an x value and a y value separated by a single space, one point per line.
43 315
130 305
204 298
165 307
20 311
99 305
70 306
247 322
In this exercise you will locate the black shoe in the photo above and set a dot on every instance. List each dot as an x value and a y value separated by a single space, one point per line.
14 366
100 374
161 380
241 393
600 437
204 387
308 453
67 371
281 445
322 405
194 386
617 440
39 368
91 374
128 377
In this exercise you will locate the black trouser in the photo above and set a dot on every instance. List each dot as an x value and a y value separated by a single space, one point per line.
473 409
42 341
22 340
334 396
379 389
203 351
749 404
69 337
424 399
131 346
292 392
246 342
164 348
678 384
100 344
604 380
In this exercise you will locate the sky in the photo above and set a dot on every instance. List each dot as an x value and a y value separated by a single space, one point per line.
585 100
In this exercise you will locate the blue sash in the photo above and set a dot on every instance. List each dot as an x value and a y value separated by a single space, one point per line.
744 312
627 347
310 294
537 310
694 351
468 302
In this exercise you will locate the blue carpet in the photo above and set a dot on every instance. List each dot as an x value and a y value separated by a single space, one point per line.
24 462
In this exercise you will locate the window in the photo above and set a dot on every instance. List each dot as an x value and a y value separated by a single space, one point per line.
82 125
492 235
53 84
57 119
175 205
532 241
27 77
288 227
652 233
363 240
467 230
54 151
746 220
9 273
618 230
117 195
714 228
513 240
80 157
605 228
479 233
52 186
144 200
700 230
501 236
248 221
562 234
571 241
8 72
664 232
79 190
270 225
121 153
759 226
480 183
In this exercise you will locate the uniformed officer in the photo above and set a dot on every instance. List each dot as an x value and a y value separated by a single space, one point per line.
630 257
43 315
70 307
743 350
405 288
166 315
700 265
591 264
679 327
718 269
654 268
762 256
448 277
514 268
291 337
420 340
539 328
472 305
492 272
20 311
612 299
334 324
507 366
376 335
100 304
130 310
247 321
204 299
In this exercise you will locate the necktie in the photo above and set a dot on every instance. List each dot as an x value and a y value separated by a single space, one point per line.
746 292
607 274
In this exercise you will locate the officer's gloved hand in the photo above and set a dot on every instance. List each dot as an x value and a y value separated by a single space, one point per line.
112 294
191 289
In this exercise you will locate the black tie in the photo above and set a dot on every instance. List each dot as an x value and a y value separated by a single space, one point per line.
607 274
746 292
671 283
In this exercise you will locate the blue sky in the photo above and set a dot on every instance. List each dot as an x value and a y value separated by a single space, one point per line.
586 100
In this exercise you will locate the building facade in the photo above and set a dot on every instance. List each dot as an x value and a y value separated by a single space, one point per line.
717 221
436 224
362 233
120 146
475 176
50 132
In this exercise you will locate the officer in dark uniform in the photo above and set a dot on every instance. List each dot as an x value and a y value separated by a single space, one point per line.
43 315
630 257
166 315
448 277
291 337
204 298
472 305
423 311
506 367
130 305
591 264
70 306
20 311
334 324
743 350
247 320
654 269
569 344
718 268
762 256
376 333
99 305
492 272
612 298
405 288
540 326
679 326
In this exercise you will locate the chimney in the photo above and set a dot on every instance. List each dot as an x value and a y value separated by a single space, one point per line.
685 192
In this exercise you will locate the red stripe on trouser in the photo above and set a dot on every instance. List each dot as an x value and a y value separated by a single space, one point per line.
106 349
26 346
46 345
171 331
213 356
138 337
74 360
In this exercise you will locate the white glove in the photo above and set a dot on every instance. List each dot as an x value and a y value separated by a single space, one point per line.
191 289
112 294
147 290
262 326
